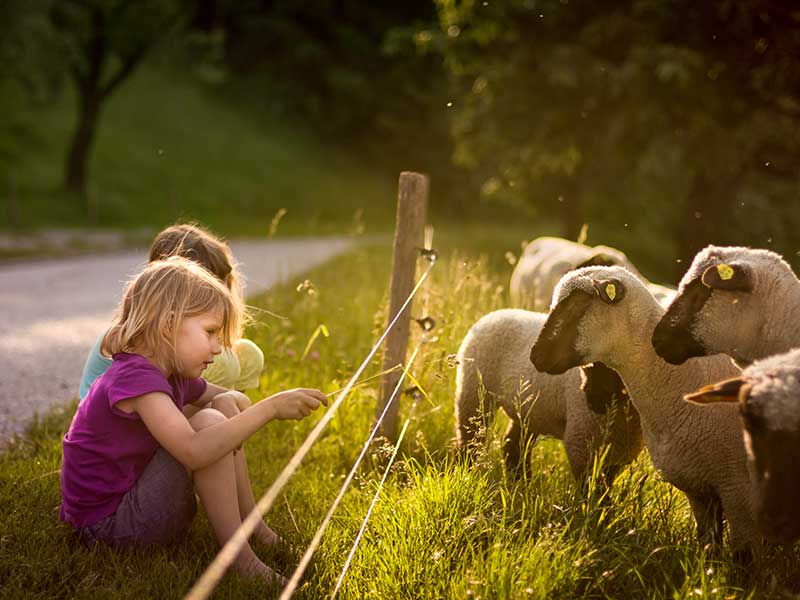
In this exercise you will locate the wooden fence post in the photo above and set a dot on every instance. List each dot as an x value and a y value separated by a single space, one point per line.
412 200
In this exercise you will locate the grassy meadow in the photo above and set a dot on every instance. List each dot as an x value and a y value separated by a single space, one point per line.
169 147
440 529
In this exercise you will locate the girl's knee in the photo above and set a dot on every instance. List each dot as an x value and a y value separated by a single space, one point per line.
207 417
226 405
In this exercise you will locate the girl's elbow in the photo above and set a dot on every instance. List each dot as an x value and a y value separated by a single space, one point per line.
190 459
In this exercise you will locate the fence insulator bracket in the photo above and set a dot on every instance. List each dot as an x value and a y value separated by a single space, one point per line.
429 254
413 391
427 323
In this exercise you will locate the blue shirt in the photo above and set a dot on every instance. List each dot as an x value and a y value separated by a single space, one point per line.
96 365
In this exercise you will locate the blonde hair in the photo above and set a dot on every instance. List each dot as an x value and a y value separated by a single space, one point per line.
157 300
192 241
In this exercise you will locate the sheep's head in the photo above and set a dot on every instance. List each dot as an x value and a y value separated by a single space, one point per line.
723 286
604 257
768 396
591 308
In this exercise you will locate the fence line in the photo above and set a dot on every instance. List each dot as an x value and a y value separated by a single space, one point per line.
375 498
214 572
301 567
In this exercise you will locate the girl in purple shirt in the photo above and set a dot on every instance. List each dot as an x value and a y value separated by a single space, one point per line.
151 432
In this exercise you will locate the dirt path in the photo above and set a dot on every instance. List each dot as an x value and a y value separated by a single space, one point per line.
51 312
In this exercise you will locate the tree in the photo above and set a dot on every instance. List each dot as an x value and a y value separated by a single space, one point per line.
106 41
682 112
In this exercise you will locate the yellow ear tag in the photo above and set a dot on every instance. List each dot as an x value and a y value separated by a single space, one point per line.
725 272
611 291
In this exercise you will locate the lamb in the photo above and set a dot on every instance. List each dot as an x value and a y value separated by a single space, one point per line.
546 259
607 314
494 355
754 289
768 397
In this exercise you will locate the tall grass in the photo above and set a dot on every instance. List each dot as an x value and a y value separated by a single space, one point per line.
440 529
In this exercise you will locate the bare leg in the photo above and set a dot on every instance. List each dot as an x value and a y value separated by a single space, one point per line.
244 488
216 485
247 502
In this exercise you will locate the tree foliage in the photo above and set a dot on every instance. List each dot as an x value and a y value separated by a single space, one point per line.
30 69
678 118
348 69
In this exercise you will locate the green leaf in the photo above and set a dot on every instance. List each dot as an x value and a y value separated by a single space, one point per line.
320 329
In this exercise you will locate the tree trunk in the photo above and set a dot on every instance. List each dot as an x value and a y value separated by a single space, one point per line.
77 174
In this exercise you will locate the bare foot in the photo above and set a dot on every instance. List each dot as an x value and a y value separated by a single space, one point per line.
264 535
251 567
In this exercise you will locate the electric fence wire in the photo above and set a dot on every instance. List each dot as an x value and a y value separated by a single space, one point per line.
214 572
301 567
375 498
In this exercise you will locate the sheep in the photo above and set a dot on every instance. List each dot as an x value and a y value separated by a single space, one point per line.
546 259
754 289
607 314
494 356
768 398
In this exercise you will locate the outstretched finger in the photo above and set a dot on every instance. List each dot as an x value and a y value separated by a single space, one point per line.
311 402
317 395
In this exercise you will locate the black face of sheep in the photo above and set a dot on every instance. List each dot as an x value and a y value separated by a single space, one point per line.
602 386
554 350
776 459
601 260
774 456
673 338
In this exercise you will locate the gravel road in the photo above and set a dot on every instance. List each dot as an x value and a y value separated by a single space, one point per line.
51 312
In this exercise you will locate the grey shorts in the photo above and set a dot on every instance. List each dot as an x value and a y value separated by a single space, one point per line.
158 509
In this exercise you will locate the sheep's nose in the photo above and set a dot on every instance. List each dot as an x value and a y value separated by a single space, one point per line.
545 360
675 344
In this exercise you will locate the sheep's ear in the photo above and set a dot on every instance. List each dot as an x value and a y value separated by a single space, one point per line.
724 391
610 290
601 259
729 277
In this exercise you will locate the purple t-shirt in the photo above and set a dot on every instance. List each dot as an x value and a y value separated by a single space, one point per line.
106 449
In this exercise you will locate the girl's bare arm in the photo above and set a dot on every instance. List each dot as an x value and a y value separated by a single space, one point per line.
198 449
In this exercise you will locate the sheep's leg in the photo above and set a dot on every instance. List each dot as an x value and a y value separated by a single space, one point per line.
474 414
707 510
517 446
576 447
745 538
580 463
608 474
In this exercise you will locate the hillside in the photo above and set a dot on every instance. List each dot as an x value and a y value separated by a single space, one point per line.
169 147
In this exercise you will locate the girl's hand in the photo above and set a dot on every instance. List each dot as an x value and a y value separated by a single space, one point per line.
297 403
